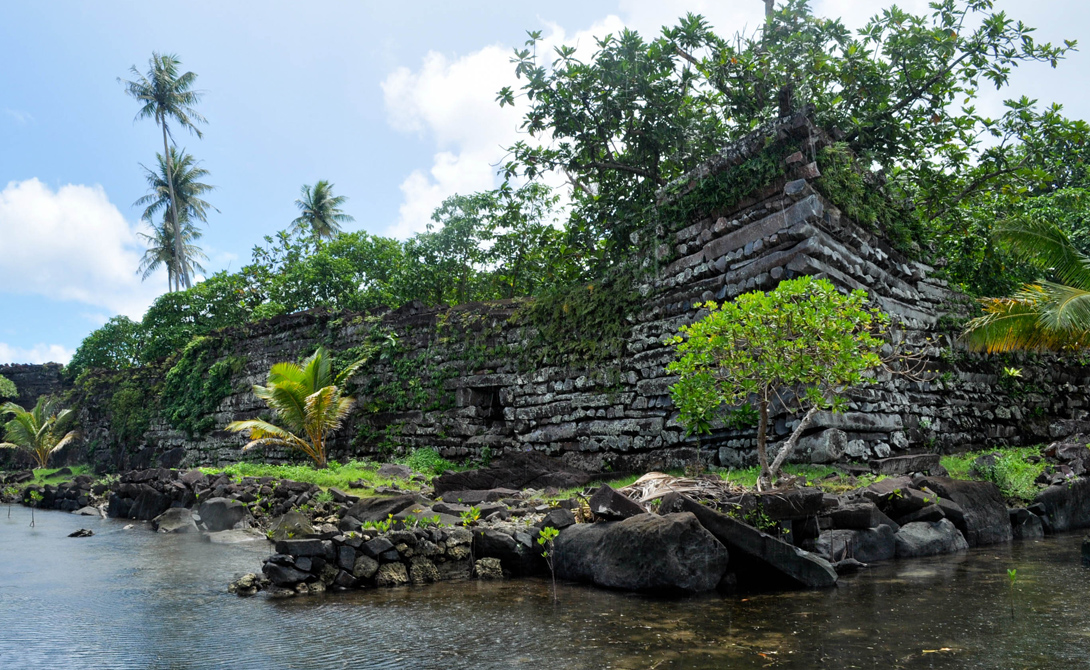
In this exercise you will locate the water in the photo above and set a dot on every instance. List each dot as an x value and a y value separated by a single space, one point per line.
135 599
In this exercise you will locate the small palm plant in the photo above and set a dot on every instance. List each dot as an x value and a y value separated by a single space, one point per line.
41 432
308 400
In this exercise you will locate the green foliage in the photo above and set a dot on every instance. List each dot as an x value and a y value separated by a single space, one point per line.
801 344
320 215
41 431
427 460
583 323
196 385
309 402
471 516
7 388
175 319
1013 472
117 345
338 476
131 411
858 194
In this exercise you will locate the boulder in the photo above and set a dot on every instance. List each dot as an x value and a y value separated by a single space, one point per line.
392 574
312 547
518 470
377 508
608 504
557 518
283 575
789 504
1066 506
236 536
860 515
1086 551
762 561
488 568
88 511
878 492
865 545
175 520
985 519
292 525
929 513
1025 525
380 548
148 505
82 532
903 465
395 471
223 514
671 553
365 567
923 538
478 497
422 570
826 446
519 556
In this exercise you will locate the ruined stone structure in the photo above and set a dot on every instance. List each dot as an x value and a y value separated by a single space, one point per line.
458 379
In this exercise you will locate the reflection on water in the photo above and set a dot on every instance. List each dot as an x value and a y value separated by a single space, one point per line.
134 599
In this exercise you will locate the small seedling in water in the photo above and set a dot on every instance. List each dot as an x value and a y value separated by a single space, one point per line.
35 498
545 539
1012 577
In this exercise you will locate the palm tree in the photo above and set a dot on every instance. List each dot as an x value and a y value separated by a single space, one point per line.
1049 315
161 250
309 402
167 95
175 183
320 215
38 431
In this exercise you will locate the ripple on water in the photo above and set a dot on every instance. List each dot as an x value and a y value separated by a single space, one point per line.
135 599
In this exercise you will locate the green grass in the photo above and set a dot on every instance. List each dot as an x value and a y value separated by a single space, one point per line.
336 475
427 461
813 475
44 476
1012 473
614 483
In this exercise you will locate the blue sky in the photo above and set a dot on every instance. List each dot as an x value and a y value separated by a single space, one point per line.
391 102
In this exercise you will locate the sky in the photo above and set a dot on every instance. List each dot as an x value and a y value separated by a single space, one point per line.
392 102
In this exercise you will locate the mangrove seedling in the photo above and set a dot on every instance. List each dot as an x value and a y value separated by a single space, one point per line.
545 539
35 498
470 516
1012 579
10 493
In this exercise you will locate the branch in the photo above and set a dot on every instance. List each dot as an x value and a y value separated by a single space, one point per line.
789 445
604 165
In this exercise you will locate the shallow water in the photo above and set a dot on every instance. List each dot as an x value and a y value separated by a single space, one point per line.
135 599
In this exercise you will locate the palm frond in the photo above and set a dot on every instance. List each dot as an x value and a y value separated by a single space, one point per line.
1048 248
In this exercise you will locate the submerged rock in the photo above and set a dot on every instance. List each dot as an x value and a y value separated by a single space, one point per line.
1025 524
985 519
760 560
82 532
671 553
488 568
239 536
867 545
223 514
923 538
1066 506
175 520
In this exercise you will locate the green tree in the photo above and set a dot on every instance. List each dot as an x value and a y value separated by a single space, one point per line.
308 401
7 388
166 95
40 432
117 345
1047 315
176 187
640 113
798 346
320 212
174 319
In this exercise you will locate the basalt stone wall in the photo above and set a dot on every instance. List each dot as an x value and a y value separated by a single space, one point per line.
472 378
32 381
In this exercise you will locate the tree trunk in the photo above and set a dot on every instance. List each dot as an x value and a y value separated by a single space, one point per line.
178 265
763 480
792 442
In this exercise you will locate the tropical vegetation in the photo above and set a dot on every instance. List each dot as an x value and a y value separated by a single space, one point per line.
7 388
797 347
308 400
320 214
41 431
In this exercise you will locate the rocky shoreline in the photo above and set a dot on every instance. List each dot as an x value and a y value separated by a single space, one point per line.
662 534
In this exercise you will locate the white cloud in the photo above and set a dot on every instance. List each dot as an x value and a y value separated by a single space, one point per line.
22 118
71 244
451 99
39 353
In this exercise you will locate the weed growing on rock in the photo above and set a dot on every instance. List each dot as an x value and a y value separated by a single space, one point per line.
471 516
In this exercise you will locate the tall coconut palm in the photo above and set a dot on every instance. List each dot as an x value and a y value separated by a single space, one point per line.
308 400
177 182
1049 315
166 95
161 252
320 212
40 431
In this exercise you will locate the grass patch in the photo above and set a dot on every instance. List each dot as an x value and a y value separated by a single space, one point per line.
427 461
614 483
335 476
44 476
1013 472
813 475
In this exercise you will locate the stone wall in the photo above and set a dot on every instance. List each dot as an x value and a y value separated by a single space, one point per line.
32 381
458 378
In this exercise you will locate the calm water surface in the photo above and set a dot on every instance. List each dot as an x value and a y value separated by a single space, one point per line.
135 599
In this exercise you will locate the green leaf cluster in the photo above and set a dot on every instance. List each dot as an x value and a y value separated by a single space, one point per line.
196 385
